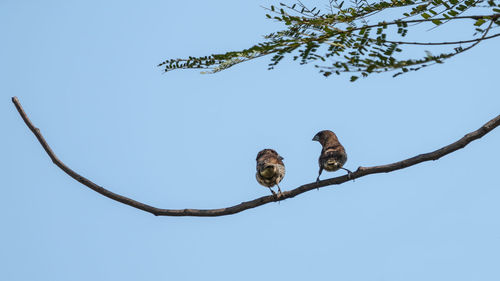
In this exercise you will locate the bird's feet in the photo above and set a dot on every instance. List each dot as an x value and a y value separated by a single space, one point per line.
279 191
350 175
274 194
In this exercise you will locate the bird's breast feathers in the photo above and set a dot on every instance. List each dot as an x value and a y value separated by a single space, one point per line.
270 175
268 171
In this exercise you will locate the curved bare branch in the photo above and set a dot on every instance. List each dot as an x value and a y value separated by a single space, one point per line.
360 172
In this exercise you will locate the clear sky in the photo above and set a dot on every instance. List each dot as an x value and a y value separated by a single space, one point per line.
86 74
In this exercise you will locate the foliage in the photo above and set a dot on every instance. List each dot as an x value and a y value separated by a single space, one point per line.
343 39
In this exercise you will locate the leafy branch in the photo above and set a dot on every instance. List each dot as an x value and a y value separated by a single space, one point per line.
344 41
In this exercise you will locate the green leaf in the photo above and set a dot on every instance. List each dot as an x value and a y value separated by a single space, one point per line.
354 78
479 22
436 22
426 15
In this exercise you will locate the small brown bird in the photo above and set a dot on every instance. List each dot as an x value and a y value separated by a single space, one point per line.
333 155
270 169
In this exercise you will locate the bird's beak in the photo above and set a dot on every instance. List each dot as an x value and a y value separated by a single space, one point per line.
280 158
316 138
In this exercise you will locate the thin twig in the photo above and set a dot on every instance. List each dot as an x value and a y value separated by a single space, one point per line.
439 43
360 172
481 39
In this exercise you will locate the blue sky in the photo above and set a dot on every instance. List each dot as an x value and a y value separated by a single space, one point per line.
86 74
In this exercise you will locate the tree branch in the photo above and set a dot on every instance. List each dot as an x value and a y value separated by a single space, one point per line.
441 43
360 172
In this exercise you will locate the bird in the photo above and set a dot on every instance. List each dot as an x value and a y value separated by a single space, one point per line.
270 169
333 155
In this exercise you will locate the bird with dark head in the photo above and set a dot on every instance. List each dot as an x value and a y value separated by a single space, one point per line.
333 156
270 169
